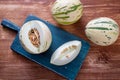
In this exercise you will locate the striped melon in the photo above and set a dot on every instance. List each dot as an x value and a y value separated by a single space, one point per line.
67 12
102 31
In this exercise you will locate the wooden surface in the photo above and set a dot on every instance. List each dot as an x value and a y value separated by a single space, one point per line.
102 63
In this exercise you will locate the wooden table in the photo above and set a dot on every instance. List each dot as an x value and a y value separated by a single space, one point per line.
101 63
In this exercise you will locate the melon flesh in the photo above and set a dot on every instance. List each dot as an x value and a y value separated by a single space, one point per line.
45 37
66 53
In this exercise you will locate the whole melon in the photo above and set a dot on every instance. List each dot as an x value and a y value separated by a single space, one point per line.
67 12
102 31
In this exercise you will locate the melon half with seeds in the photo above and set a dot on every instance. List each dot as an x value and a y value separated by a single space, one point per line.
67 12
66 53
35 37
102 31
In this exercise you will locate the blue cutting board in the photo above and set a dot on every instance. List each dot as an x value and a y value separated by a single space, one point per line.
59 37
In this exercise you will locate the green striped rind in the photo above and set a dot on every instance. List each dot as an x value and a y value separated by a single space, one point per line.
66 17
73 8
113 24
102 31
63 17
61 8
67 23
68 13
100 28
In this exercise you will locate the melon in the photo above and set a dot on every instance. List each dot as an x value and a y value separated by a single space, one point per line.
67 12
102 31
35 37
66 53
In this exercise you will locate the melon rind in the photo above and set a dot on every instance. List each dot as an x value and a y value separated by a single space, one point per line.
67 12
102 31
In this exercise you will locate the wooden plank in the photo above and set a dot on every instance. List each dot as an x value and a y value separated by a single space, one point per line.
102 63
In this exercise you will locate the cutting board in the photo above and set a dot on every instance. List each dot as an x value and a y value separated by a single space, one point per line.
59 37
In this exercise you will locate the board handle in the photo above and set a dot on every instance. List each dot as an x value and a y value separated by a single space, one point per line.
10 25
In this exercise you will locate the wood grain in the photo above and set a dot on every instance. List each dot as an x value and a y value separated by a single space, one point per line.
101 63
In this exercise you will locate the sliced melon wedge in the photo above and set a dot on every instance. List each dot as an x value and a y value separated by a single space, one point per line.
66 53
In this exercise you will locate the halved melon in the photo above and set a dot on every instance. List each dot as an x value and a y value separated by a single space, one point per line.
35 37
